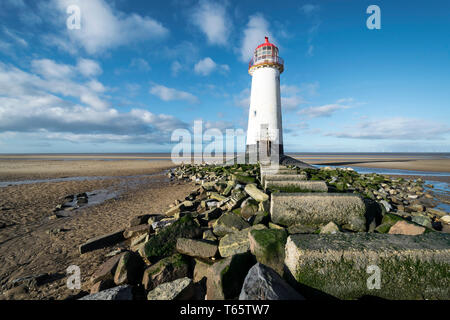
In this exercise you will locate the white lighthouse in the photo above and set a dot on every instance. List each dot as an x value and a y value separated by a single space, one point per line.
265 132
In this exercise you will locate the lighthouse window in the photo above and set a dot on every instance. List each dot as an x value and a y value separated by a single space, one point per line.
254 113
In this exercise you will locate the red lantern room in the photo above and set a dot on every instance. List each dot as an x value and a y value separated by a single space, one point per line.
266 54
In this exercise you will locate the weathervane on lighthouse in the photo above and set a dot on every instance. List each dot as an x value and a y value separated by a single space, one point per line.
265 132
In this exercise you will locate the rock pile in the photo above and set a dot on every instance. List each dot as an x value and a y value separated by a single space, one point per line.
250 232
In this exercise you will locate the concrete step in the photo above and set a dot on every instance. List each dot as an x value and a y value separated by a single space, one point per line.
296 186
316 209
349 265
283 177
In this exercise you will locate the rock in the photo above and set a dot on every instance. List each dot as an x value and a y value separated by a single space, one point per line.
155 218
236 242
339 264
129 269
209 235
315 209
299 228
283 177
243 179
330 228
163 223
415 208
403 227
225 277
229 222
196 248
263 283
165 270
267 246
137 240
275 226
163 244
107 270
386 205
142 219
248 208
180 289
137 231
235 200
445 219
211 214
422 220
175 209
102 285
201 269
117 293
436 212
296 186
260 217
253 191
103 241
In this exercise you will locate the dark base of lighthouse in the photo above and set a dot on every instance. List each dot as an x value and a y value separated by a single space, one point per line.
258 153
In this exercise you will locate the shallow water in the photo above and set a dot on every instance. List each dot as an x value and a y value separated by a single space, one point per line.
391 171
440 189
4 184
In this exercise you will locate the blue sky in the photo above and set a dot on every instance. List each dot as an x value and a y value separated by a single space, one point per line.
138 70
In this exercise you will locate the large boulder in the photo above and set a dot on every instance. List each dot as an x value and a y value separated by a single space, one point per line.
344 265
253 191
406 228
225 277
107 270
124 292
268 247
165 270
296 186
237 242
229 222
102 241
263 283
129 269
196 248
317 209
180 289
163 244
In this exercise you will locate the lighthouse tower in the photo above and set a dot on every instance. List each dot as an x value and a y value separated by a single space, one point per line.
265 132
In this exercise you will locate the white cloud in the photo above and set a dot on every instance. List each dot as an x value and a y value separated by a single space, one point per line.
140 64
322 111
30 107
51 69
103 27
170 94
396 128
207 65
211 18
309 8
175 68
89 68
257 28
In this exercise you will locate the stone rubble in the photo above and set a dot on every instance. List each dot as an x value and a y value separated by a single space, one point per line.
246 231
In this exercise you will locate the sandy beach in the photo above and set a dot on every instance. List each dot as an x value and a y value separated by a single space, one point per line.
28 246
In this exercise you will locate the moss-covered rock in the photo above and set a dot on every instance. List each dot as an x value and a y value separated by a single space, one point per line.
268 247
163 244
225 277
165 270
411 267
229 222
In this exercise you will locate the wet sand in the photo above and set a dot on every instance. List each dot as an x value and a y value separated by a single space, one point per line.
26 247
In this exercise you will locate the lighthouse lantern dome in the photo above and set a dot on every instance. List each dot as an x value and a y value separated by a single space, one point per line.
266 54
